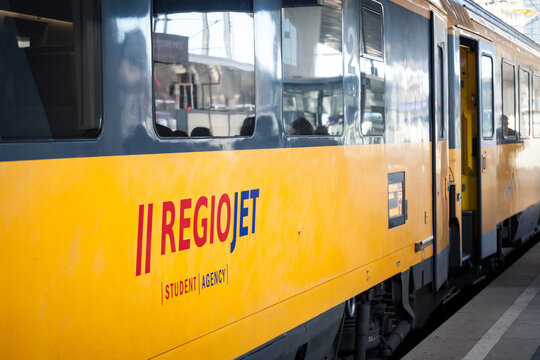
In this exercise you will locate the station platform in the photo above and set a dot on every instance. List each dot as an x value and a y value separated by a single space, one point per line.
501 322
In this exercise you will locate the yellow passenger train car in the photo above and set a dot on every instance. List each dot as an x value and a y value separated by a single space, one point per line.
254 179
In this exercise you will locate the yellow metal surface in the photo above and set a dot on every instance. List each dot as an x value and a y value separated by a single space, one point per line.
454 160
72 232
441 195
511 182
469 160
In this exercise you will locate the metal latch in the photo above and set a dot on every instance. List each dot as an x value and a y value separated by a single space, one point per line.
421 245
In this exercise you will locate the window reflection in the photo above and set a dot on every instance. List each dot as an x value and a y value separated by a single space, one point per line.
372 101
536 105
372 28
204 83
487 97
312 69
524 109
509 105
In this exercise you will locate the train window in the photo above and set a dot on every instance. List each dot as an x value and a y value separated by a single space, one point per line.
487 97
524 105
204 74
372 28
312 61
536 105
50 72
509 100
439 109
372 101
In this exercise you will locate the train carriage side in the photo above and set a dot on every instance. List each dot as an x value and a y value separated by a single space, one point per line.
209 179
495 110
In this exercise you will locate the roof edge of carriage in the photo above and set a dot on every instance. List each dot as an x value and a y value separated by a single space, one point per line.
466 11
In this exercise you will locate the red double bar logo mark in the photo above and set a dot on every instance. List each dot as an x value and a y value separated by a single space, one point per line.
148 239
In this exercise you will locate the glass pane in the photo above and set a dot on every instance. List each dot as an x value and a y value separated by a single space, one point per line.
487 97
524 107
372 31
372 99
204 78
44 65
312 69
440 99
536 106
509 105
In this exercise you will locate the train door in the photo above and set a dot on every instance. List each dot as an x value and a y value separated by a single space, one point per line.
487 244
477 138
439 136
469 145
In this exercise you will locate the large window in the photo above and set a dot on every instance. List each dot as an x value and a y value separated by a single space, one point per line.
204 79
312 61
509 100
49 70
536 106
487 97
524 105
372 69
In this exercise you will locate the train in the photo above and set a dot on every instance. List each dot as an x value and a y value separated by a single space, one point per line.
255 179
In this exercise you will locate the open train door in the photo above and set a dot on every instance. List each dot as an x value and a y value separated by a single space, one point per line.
487 244
439 141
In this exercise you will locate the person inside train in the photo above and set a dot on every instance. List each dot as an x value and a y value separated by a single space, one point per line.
248 126
301 126
179 133
200 131
506 130
163 131
321 130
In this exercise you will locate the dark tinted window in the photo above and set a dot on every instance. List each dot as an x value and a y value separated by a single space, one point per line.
509 103
524 105
372 68
204 72
372 28
487 96
50 78
312 61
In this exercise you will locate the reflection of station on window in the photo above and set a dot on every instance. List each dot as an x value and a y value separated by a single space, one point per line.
312 64
204 83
